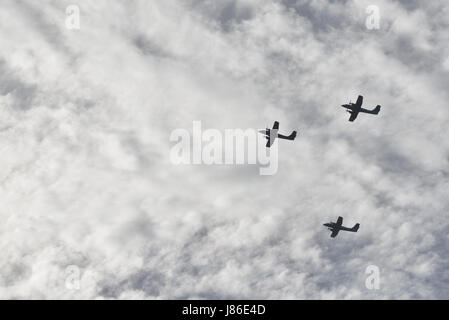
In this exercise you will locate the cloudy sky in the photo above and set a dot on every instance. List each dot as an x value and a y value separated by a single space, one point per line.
87 184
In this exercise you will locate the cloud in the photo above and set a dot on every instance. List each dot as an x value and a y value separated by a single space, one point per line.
86 178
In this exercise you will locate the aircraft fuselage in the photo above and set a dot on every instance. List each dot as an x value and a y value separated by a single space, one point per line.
353 107
329 225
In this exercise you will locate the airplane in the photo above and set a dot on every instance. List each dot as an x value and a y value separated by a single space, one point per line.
335 227
355 108
272 134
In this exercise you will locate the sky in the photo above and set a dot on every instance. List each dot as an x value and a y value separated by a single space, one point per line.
92 207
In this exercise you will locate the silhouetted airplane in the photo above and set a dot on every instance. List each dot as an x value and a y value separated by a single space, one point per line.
335 227
272 134
355 108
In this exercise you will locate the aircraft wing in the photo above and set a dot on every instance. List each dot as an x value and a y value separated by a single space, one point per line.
276 125
334 233
339 221
353 116
359 101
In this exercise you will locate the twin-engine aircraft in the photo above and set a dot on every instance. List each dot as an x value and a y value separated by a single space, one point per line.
335 227
356 108
272 134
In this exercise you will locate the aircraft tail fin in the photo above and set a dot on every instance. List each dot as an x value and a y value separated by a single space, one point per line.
292 136
356 227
